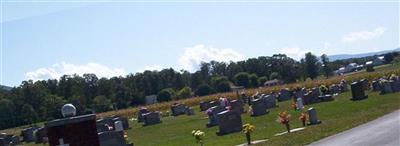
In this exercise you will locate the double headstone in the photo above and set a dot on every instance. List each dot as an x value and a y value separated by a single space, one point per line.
258 107
212 115
312 113
140 114
357 91
269 101
178 109
284 94
229 122
237 106
151 118
204 105
73 131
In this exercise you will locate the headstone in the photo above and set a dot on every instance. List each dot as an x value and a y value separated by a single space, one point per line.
229 122
365 84
270 101
312 97
204 105
375 85
151 118
344 87
284 94
299 93
5 139
237 106
299 104
334 89
357 91
312 113
140 114
124 120
395 85
73 131
189 111
105 124
40 135
214 103
28 135
112 138
258 107
118 126
315 92
16 140
385 87
212 115
326 97
178 109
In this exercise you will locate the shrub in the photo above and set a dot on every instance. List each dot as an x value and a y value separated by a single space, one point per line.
166 94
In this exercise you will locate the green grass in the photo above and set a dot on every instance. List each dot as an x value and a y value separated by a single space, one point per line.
336 116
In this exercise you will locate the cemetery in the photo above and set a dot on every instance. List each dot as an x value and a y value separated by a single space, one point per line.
221 121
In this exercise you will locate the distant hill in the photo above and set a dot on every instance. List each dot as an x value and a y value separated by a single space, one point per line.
5 87
347 56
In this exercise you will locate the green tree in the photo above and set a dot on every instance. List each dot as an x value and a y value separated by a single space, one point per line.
223 86
185 92
254 80
101 104
204 89
242 79
166 94
7 111
311 62
262 80
274 75
325 65
28 114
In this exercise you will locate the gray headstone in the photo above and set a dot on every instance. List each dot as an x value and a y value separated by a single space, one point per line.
312 113
229 122
16 140
212 116
270 101
118 126
204 105
299 104
40 135
237 106
151 118
178 109
376 86
258 107
386 87
112 138
5 138
28 134
189 111
395 85
335 89
284 94
124 120
357 91
140 114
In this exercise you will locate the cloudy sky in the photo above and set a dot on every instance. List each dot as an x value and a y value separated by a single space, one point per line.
46 39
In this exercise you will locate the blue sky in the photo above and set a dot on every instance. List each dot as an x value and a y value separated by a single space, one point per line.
47 39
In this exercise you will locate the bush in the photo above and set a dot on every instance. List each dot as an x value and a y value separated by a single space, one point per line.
101 104
223 87
262 80
204 89
254 80
166 94
185 92
242 79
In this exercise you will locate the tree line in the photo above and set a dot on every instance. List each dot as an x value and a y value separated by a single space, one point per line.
41 100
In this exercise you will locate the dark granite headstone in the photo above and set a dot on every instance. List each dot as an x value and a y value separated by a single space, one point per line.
284 94
334 89
112 138
189 111
312 97
40 135
105 124
5 139
214 103
386 87
140 114
16 140
124 120
28 134
237 106
74 131
376 86
178 109
365 84
270 101
395 86
151 118
229 122
325 98
357 91
312 113
212 116
258 107
344 87
204 105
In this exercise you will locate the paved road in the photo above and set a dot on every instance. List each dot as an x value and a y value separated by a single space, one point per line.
384 131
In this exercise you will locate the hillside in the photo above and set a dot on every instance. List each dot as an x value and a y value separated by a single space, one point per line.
347 56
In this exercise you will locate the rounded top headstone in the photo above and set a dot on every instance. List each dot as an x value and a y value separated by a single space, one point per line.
68 110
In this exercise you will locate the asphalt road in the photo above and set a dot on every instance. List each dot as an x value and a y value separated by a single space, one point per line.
384 131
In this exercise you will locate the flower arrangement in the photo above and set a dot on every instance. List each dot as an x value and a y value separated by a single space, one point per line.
284 118
303 118
323 89
199 136
250 110
248 129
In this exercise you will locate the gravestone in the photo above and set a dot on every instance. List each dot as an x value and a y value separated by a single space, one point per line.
375 85
299 104
334 89
73 131
212 115
385 87
40 135
27 134
178 109
189 111
140 114
312 97
315 92
151 118
229 122
365 84
214 103
204 105
118 126
105 124
312 113
258 107
325 98
284 94
299 93
270 101
124 120
395 84
357 91
5 139
237 106
16 140
112 138
344 87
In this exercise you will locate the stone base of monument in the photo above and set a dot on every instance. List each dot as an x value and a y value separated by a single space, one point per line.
208 125
356 99
291 131
315 123
260 114
325 98
253 142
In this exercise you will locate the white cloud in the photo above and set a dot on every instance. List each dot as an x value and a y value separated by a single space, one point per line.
294 52
59 69
193 56
363 35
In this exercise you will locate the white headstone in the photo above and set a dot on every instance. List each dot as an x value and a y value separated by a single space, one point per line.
300 105
118 126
